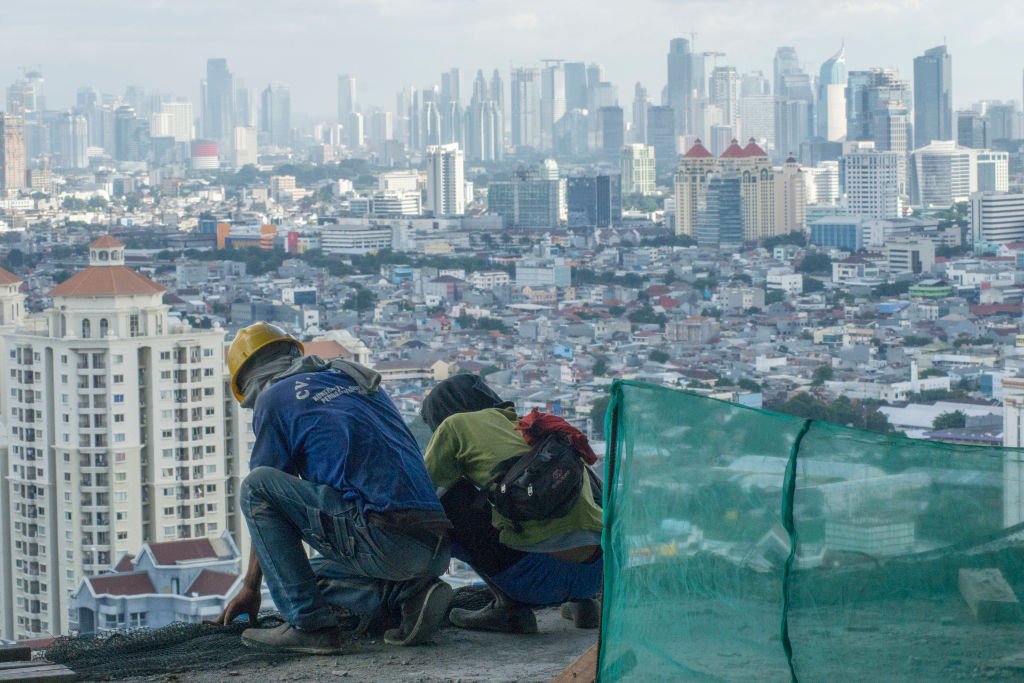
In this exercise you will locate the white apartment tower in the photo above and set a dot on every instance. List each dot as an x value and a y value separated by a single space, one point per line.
116 436
445 182
638 176
872 183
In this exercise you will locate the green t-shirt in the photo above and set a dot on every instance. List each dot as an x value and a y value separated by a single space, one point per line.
470 445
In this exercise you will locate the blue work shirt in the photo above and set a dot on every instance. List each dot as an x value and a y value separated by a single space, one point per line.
320 427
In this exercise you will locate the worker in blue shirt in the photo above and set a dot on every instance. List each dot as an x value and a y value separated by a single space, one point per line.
334 465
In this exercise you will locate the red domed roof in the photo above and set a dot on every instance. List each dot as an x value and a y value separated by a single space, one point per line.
753 150
733 151
698 151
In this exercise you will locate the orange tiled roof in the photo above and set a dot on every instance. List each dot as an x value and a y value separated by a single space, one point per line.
8 278
106 281
106 242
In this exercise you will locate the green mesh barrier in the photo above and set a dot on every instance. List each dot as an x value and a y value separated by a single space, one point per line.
745 545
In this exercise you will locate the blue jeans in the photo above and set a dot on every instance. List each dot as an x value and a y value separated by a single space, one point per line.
364 568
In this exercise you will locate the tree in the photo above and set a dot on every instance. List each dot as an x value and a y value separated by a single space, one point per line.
748 385
812 285
597 412
798 238
950 420
822 374
600 368
658 356
361 300
815 263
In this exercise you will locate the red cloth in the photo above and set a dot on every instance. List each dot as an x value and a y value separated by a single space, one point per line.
535 425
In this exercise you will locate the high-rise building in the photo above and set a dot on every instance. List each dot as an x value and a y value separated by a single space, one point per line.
640 105
445 180
218 95
832 97
74 140
720 212
525 106
276 115
867 92
356 132
575 85
381 128
450 107
347 102
790 198
25 96
690 187
612 130
993 171
724 93
786 62
552 102
997 217
971 129
594 201
942 173
498 95
485 139
661 134
638 169
1003 121
679 90
13 162
871 182
572 134
933 96
246 146
792 125
532 198
131 135
115 416
244 110
757 113
180 113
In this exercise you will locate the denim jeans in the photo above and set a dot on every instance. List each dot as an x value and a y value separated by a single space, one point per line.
364 568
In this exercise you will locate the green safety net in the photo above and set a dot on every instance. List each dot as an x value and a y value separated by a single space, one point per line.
745 545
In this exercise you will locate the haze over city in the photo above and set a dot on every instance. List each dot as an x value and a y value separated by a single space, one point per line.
387 44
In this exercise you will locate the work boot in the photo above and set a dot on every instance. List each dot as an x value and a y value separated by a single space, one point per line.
512 618
584 613
287 638
421 615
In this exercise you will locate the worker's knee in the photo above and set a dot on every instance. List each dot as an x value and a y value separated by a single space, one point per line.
255 485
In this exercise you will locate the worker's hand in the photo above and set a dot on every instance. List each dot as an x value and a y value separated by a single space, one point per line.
246 602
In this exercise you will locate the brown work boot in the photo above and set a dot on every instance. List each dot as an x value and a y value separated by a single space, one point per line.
584 613
494 617
287 638
421 615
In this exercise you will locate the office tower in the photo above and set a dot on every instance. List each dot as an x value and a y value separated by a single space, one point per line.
347 102
25 96
445 181
131 135
792 125
661 134
690 186
595 75
74 140
525 104
13 162
720 214
823 183
993 171
640 104
757 114
891 128
786 62
178 120
594 201
87 103
724 93
997 218
572 134
534 197
698 75
754 84
638 169
356 134
868 92
381 128
430 119
1002 121
276 115
679 90
485 138
612 130
246 146
115 435
575 85
790 198
498 95
832 97
450 107
871 182
552 103
941 173
933 96
720 137
971 129
218 95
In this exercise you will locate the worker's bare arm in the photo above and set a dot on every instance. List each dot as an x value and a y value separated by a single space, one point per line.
248 599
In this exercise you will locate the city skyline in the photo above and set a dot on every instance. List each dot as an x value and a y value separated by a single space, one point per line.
333 37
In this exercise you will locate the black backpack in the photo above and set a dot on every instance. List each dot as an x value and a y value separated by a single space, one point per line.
543 484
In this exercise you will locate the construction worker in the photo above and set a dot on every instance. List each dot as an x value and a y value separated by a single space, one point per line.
533 563
333 465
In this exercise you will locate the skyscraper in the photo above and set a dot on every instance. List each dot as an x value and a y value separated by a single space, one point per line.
525 104
115 416
933 96
638 169
612 130
74 139
485 138
832 97
276 115
218 97
13 162
971 129
445 181
679 90
724 93
661 134
720 214
640 104
131 135
346 97
552 103
785 62
871 182
575 85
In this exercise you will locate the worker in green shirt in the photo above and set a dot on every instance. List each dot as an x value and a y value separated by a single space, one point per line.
525 564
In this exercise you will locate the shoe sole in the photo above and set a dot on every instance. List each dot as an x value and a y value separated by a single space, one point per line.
511 629
439 596
322 651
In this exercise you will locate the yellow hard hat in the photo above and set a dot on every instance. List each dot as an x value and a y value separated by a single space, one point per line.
247 342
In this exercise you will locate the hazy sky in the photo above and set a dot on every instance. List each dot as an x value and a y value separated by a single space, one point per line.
163 44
